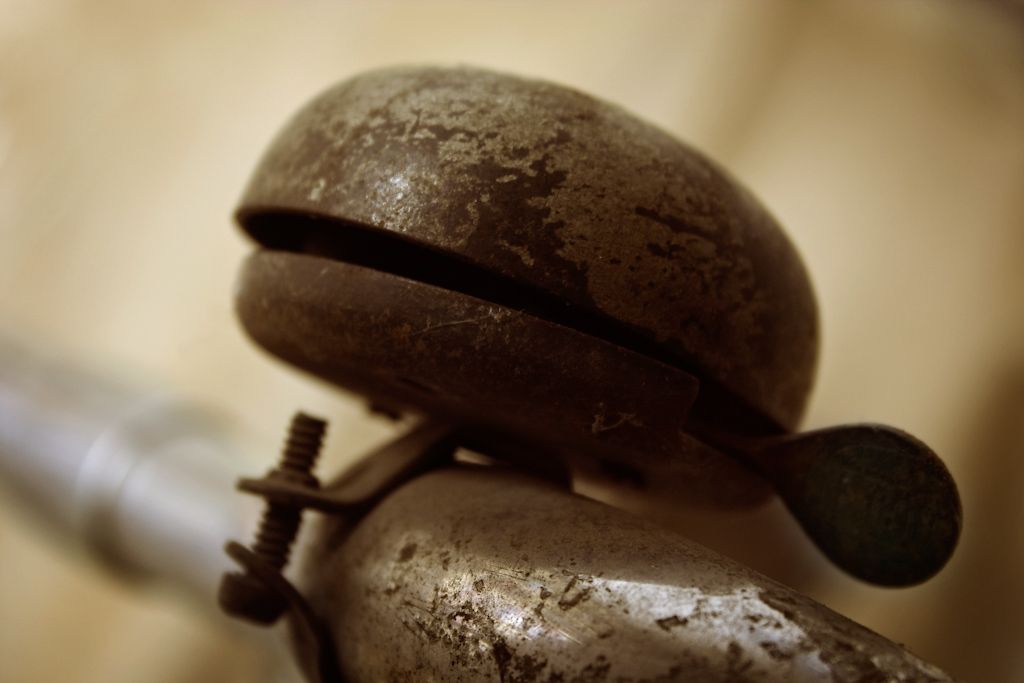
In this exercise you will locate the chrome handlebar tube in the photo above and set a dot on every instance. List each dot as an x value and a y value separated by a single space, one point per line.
138 477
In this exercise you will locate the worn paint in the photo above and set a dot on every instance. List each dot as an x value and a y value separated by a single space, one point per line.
561 192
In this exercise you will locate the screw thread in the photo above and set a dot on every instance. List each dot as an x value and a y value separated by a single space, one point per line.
280 524
277 532
305 437
240 594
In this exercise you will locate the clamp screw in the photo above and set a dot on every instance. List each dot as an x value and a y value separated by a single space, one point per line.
243 595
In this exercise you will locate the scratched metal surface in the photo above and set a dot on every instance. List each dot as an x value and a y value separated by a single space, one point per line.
465 587
886 138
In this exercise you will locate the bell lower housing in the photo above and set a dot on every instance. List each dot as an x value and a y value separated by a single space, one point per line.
520 387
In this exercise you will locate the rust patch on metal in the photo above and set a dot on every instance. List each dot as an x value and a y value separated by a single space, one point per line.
669 623
407 553
576 591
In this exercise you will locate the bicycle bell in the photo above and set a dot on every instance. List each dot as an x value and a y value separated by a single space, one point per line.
580 293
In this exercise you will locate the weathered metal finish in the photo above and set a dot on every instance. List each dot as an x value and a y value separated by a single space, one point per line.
524 389
878 502
485 575
577 291
566 194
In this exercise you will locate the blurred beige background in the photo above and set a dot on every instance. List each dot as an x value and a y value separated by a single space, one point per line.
887 137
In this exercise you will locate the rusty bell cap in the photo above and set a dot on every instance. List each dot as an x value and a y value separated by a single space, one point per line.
564 195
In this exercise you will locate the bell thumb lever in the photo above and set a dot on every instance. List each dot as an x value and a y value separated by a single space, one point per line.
878 502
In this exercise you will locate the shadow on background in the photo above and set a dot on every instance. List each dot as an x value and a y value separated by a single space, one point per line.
979 628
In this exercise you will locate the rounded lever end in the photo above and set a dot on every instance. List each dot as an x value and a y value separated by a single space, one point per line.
877 501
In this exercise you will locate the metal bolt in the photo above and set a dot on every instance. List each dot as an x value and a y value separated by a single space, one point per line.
243 595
